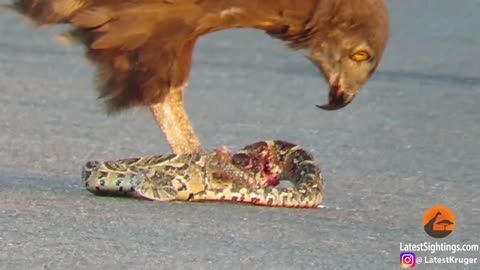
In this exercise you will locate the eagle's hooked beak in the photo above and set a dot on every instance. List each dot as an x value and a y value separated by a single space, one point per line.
337 98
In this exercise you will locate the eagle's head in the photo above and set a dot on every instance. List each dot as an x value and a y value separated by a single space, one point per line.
348 46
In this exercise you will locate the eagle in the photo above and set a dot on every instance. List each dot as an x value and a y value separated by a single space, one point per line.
143 48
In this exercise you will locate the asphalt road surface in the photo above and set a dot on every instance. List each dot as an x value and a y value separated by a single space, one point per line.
410 140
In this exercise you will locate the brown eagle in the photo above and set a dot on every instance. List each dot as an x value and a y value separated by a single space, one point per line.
143 48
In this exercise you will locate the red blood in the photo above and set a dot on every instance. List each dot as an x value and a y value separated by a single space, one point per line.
272 180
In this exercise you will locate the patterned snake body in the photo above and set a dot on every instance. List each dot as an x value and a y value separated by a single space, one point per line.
270 173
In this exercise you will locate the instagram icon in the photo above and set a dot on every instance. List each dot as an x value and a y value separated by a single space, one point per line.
407 260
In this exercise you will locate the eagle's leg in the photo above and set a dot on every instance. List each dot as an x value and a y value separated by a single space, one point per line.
173 121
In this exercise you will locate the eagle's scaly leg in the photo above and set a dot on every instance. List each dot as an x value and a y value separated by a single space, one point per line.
173 121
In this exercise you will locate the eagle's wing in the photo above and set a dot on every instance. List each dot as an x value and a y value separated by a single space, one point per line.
142 48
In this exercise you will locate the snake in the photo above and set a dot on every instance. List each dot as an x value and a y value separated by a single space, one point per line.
267 173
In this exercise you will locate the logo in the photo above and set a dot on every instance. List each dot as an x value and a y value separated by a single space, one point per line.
407 260
438 221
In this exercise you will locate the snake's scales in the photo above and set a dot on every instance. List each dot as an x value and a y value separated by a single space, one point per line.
271 173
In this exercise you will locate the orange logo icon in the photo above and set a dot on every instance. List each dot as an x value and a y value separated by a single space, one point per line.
438 221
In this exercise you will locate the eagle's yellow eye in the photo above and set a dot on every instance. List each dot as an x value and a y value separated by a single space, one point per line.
360 56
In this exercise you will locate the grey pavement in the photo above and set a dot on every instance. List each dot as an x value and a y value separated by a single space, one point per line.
410 140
